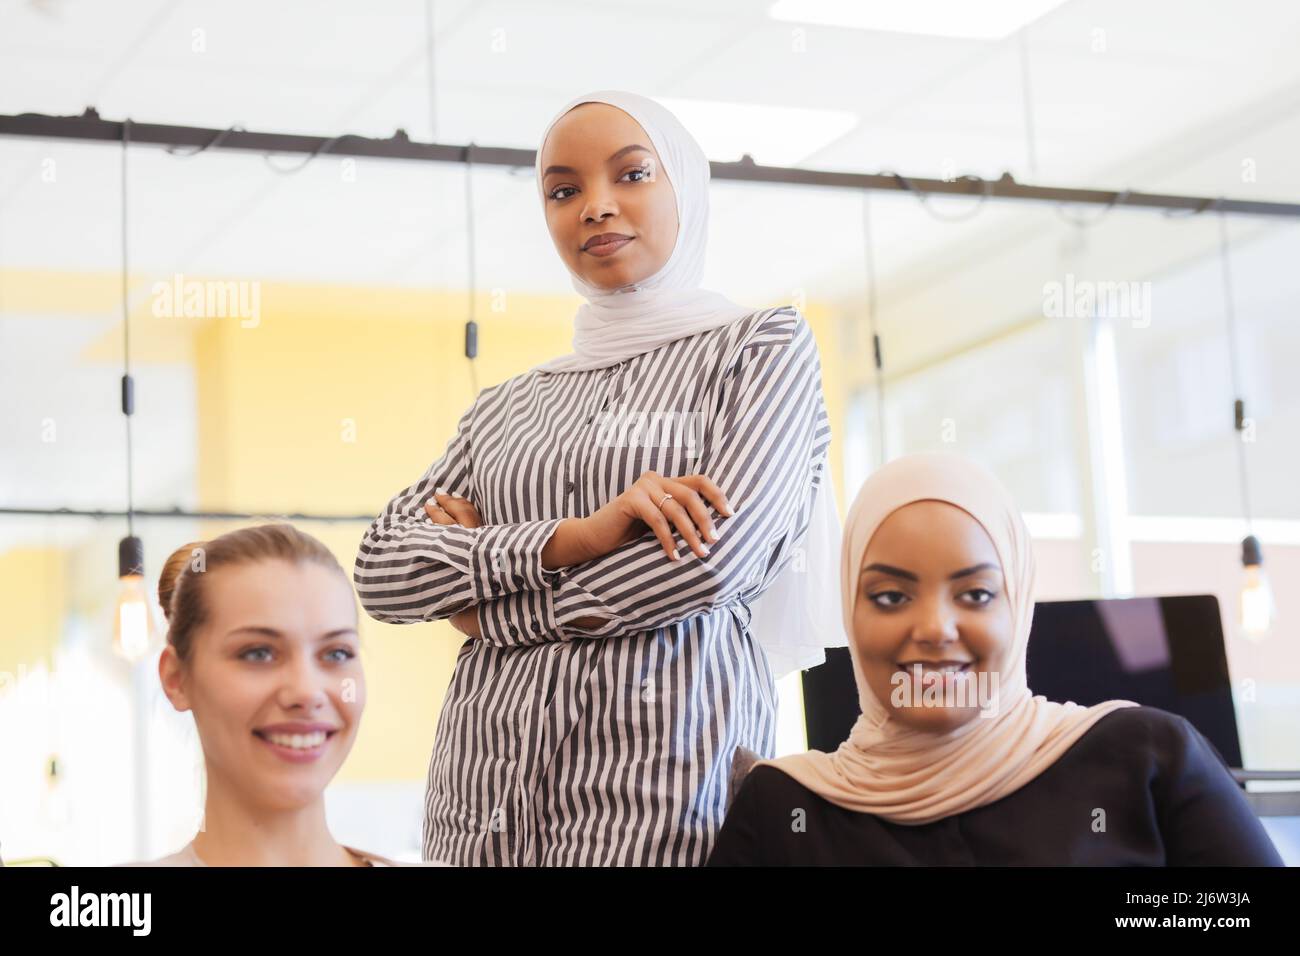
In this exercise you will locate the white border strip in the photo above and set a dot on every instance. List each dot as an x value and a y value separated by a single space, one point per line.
1170 529
1193 530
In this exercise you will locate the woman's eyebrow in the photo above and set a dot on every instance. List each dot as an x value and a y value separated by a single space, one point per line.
891 570
900 573
982 566
255 629
272 632
622 152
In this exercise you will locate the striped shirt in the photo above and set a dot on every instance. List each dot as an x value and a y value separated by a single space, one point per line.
559 744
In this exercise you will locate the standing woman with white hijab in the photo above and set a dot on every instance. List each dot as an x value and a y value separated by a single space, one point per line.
607 576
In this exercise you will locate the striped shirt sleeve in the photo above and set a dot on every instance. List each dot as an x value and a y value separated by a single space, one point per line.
410 569
767 444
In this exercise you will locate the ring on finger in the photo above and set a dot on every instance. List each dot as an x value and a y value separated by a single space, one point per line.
666 497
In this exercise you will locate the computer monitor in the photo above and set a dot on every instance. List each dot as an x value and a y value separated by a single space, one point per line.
1165 652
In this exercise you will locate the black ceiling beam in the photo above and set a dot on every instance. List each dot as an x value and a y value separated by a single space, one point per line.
90 127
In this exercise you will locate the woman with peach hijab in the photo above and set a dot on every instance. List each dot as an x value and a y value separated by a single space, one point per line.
953 760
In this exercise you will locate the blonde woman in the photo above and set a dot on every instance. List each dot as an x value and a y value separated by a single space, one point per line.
262 650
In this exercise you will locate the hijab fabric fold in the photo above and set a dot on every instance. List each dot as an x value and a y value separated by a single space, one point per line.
794 619
912 776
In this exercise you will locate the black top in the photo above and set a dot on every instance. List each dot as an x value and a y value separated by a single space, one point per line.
1141 788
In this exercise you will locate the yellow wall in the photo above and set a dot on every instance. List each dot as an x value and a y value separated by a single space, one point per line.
336 399
32 626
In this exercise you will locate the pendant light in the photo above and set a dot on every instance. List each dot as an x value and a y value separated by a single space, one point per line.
1256 600
133 623
1257 608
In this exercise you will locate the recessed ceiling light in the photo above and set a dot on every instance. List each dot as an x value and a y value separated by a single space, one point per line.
986 20
772 135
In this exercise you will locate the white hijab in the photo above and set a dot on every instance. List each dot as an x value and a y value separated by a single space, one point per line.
616 324
795 618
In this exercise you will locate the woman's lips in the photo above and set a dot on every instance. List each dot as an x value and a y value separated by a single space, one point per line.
606 248
935 666
297 748
929 673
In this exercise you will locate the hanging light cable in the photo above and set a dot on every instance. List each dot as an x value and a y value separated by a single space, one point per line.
1027 105
1256 596
429 18
471 326
132 628
869 251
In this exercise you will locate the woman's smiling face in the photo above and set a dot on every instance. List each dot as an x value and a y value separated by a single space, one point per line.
931 609
601 174
274 679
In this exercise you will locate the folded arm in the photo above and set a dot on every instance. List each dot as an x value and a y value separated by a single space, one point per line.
409 568
767 444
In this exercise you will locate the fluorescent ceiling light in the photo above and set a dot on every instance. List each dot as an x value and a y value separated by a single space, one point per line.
772 135
977 19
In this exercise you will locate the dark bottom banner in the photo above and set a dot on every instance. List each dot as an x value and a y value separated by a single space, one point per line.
206 905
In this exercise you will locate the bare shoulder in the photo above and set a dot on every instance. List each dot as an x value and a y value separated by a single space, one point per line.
180 858
375 859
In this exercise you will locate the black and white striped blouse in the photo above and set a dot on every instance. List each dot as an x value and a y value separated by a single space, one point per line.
559 745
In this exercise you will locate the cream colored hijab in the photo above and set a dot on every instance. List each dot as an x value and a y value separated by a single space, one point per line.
911 776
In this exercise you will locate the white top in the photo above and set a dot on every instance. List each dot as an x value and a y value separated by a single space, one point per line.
187 856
